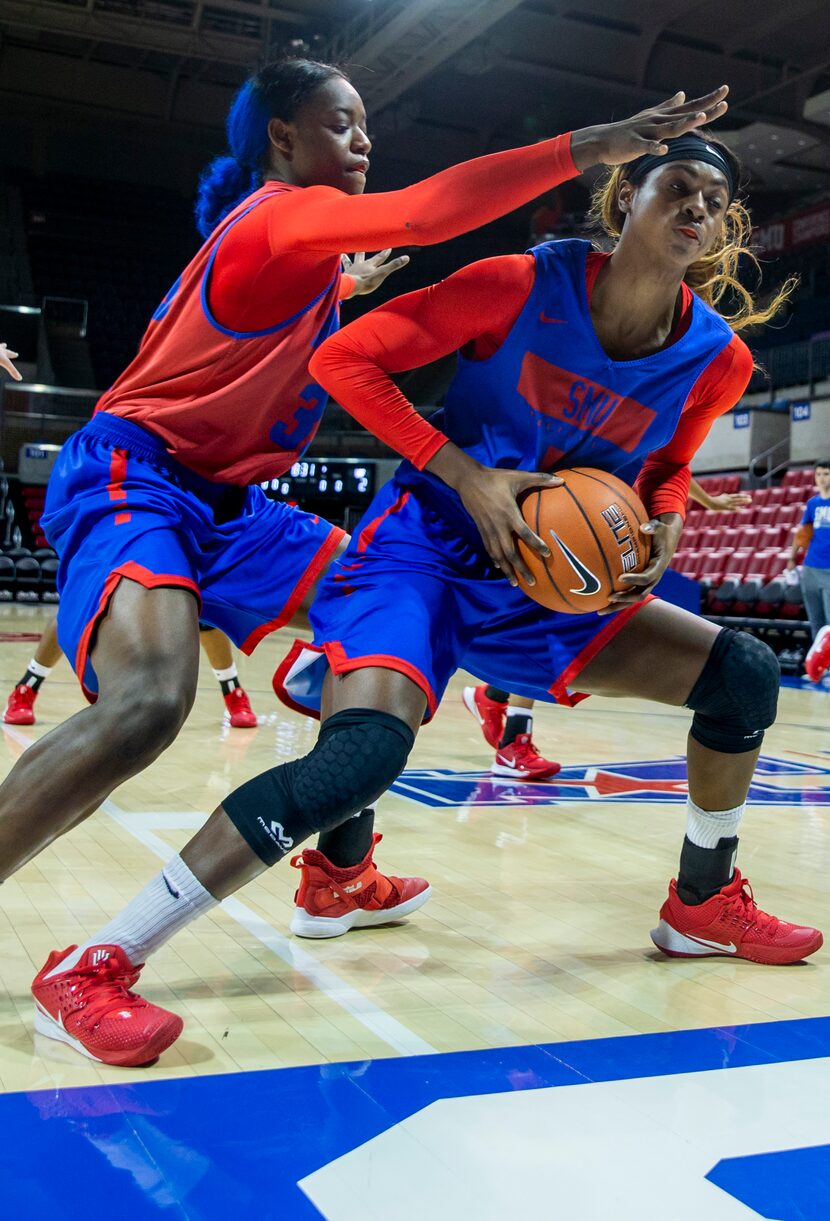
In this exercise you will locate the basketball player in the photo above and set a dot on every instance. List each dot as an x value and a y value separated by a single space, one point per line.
814 534
373 710
20 708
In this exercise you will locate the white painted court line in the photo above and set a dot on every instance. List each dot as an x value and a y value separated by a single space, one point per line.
370 1015
392 1032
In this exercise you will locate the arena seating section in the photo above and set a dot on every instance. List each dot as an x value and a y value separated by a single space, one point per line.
28 565
119 247
740 558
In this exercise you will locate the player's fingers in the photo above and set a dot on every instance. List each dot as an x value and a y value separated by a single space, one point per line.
380 257
708 101
395 265
518 568
533 541
360 258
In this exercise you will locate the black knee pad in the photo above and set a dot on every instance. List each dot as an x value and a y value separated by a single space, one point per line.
736 697
358 754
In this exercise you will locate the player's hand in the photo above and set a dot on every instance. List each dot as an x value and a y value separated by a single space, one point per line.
646 132
728 502
7 357
369 274
665 534
491 498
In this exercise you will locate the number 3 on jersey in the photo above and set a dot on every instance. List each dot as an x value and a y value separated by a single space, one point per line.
296 432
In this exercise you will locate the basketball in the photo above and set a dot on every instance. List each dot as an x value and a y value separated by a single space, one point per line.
592 526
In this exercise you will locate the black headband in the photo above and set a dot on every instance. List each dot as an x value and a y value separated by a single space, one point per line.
682 148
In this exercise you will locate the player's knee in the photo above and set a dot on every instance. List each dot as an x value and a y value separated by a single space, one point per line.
736 696
145 718
359 753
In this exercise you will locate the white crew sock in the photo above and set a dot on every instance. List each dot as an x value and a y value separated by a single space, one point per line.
707 827
227 675
37 669
173 899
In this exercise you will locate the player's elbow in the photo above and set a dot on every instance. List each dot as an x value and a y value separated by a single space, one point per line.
324 363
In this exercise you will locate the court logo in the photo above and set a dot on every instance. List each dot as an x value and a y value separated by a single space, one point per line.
777 782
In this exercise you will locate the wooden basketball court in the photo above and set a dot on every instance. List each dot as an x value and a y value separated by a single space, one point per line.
543 895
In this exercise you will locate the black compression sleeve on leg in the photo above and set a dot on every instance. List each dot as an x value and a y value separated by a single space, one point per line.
359 753
736 697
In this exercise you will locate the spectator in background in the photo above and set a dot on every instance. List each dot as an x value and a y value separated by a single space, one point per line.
814 534
726 502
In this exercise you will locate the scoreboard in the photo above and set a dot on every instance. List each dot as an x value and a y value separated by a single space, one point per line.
328 486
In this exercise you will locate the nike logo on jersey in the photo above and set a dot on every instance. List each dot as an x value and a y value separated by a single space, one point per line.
727 948
590 583
543 317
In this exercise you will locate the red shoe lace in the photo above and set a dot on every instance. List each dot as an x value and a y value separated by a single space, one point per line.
111 985
525 748
743 908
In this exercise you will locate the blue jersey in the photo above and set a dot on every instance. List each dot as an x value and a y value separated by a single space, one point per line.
551 397
817 514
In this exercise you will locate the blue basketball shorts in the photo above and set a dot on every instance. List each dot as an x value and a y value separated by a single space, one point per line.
119 506
416 594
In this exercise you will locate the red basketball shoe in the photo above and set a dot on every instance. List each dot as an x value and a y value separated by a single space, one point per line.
239 707
330 901
522 761
91 1008
20 710
818 657
730 924
490 714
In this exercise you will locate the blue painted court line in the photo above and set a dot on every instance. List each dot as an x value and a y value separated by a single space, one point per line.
233 1146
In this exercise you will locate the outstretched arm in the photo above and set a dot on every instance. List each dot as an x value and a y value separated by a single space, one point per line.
475 192
724 502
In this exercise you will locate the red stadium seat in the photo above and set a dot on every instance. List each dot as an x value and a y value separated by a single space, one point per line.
690 538
714 565
712 538
739 562
766 515
777 496
790 515
745 517
731 483
762 496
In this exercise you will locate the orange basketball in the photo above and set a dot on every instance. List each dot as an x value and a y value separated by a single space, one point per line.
592 526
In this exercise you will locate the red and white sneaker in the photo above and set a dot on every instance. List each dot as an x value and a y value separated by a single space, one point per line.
330 901
91 1008
522 761
239 708
20 710
490 714
818 658
731 924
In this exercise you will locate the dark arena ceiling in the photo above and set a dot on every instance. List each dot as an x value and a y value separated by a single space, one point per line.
442 79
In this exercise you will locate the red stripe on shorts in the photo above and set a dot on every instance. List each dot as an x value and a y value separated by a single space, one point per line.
368 532
115 487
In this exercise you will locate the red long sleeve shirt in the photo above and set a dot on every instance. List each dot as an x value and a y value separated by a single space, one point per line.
473 311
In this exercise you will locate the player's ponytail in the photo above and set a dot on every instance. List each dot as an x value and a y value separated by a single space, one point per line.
716 274
277 91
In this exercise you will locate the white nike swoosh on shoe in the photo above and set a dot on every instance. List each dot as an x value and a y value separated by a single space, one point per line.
727 948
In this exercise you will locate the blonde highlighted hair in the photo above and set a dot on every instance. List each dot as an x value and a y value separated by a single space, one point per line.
716 274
